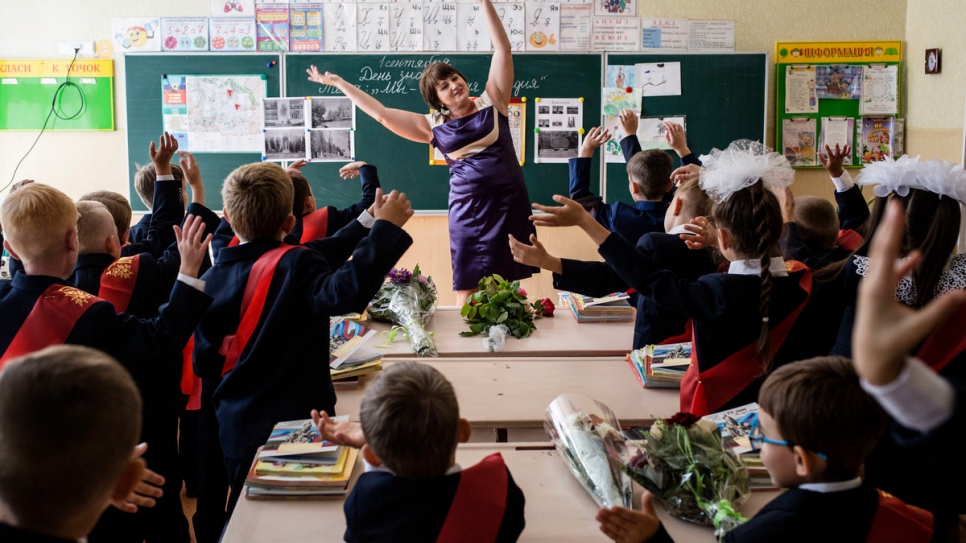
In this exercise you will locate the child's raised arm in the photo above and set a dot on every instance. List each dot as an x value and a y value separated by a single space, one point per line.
534 254
596 137
192 174
675 138
161 155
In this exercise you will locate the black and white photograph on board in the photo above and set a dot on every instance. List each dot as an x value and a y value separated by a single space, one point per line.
557 145
284 112
284 144
330 145
332 112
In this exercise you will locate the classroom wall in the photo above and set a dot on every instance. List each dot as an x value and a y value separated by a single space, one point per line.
78 163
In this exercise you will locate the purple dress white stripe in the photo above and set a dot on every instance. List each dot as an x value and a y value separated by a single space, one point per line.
487 198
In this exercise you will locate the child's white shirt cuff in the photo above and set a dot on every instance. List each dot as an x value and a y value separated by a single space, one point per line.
365 219
169 177
192 282
844 182
918 398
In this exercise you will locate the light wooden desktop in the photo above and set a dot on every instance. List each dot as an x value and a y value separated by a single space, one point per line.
560 335
558 509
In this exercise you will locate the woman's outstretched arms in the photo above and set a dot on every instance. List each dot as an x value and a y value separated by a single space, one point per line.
499 83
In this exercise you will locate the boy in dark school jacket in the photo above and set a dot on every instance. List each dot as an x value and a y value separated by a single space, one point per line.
267 350
652 326
413 490
147 176
674 136
817 426
53 489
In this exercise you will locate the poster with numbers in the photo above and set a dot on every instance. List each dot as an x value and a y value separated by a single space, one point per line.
305 33
372 26
231 35
339 32
184 34
406 26
513 15
439 27
543 26
473 35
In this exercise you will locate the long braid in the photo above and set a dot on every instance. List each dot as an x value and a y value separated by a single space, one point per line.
762 230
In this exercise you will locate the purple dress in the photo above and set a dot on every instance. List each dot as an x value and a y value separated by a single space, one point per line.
487 195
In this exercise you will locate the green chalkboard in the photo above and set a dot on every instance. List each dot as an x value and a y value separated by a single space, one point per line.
394 80
722 98
143 75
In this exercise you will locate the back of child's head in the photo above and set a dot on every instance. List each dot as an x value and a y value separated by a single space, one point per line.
117 204
302 192
697 203
817 222
410 418
69 419
753 218
258 199
651 171
145 178
94 225
36 219
819 404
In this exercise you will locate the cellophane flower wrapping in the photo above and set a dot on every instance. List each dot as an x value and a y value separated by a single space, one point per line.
581 429
684 463
408 300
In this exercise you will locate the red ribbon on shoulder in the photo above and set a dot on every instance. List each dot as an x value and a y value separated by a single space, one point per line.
897 521
51 320
253 301
945 342
704 392
315 225
477 509
118 281
849 240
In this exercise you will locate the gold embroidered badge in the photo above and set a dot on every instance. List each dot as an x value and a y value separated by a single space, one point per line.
121 268
77 296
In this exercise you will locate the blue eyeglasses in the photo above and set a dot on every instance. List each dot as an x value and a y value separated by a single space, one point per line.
756 437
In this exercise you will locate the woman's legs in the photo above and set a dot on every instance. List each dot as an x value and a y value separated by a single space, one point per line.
463 295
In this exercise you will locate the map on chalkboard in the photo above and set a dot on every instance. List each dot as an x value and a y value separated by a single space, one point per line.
214 114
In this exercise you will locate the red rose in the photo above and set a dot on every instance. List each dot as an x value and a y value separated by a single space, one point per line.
522 292
684 419
547 307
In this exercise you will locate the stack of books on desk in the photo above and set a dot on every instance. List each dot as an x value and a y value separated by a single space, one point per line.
349 360
349 373
612 308
661 366
735 426
297 463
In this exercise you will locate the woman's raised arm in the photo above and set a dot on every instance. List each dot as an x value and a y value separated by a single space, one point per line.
407 124
499 84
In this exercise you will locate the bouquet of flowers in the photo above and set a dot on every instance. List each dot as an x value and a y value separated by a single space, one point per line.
408 300
583 430
500 302
684 463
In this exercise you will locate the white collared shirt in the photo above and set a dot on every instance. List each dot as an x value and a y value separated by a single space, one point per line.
753 267
918 398
837 486
679 229
844 182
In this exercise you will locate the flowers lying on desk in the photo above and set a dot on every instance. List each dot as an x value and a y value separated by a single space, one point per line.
408 299
501 302
684 463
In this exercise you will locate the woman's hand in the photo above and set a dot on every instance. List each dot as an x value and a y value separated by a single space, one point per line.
327 78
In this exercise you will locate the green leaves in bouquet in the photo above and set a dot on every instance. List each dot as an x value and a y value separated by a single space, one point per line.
498 301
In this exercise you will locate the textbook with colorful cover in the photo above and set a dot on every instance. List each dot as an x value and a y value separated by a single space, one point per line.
345 338
303 484
661 366
299 438
611 308
735 425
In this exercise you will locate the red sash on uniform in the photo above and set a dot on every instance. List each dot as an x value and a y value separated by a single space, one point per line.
684 337
703 393
315 225
849 240
50 321
118 281
477 509
898 521
234 241
945 342
253 301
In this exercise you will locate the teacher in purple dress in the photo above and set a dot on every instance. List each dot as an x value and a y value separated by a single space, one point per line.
488 198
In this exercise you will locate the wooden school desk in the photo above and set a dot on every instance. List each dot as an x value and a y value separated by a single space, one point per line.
513 393
560 335
558 509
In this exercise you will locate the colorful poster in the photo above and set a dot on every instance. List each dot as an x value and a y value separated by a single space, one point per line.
473 35
439 27
800 94
838 82
229 35
880 90
214 114
617 34
575 26
620 77
798 140
651 131
711 36
658 79
406 26
543 27
664 35
875 139
339 31
331 130
618 99
559 123
231 8
372 26
273 27
305 28
136 34
184 34
513 17
838 131
621 8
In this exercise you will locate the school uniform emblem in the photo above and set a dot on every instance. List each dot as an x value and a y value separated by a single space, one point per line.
121 268
77 296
